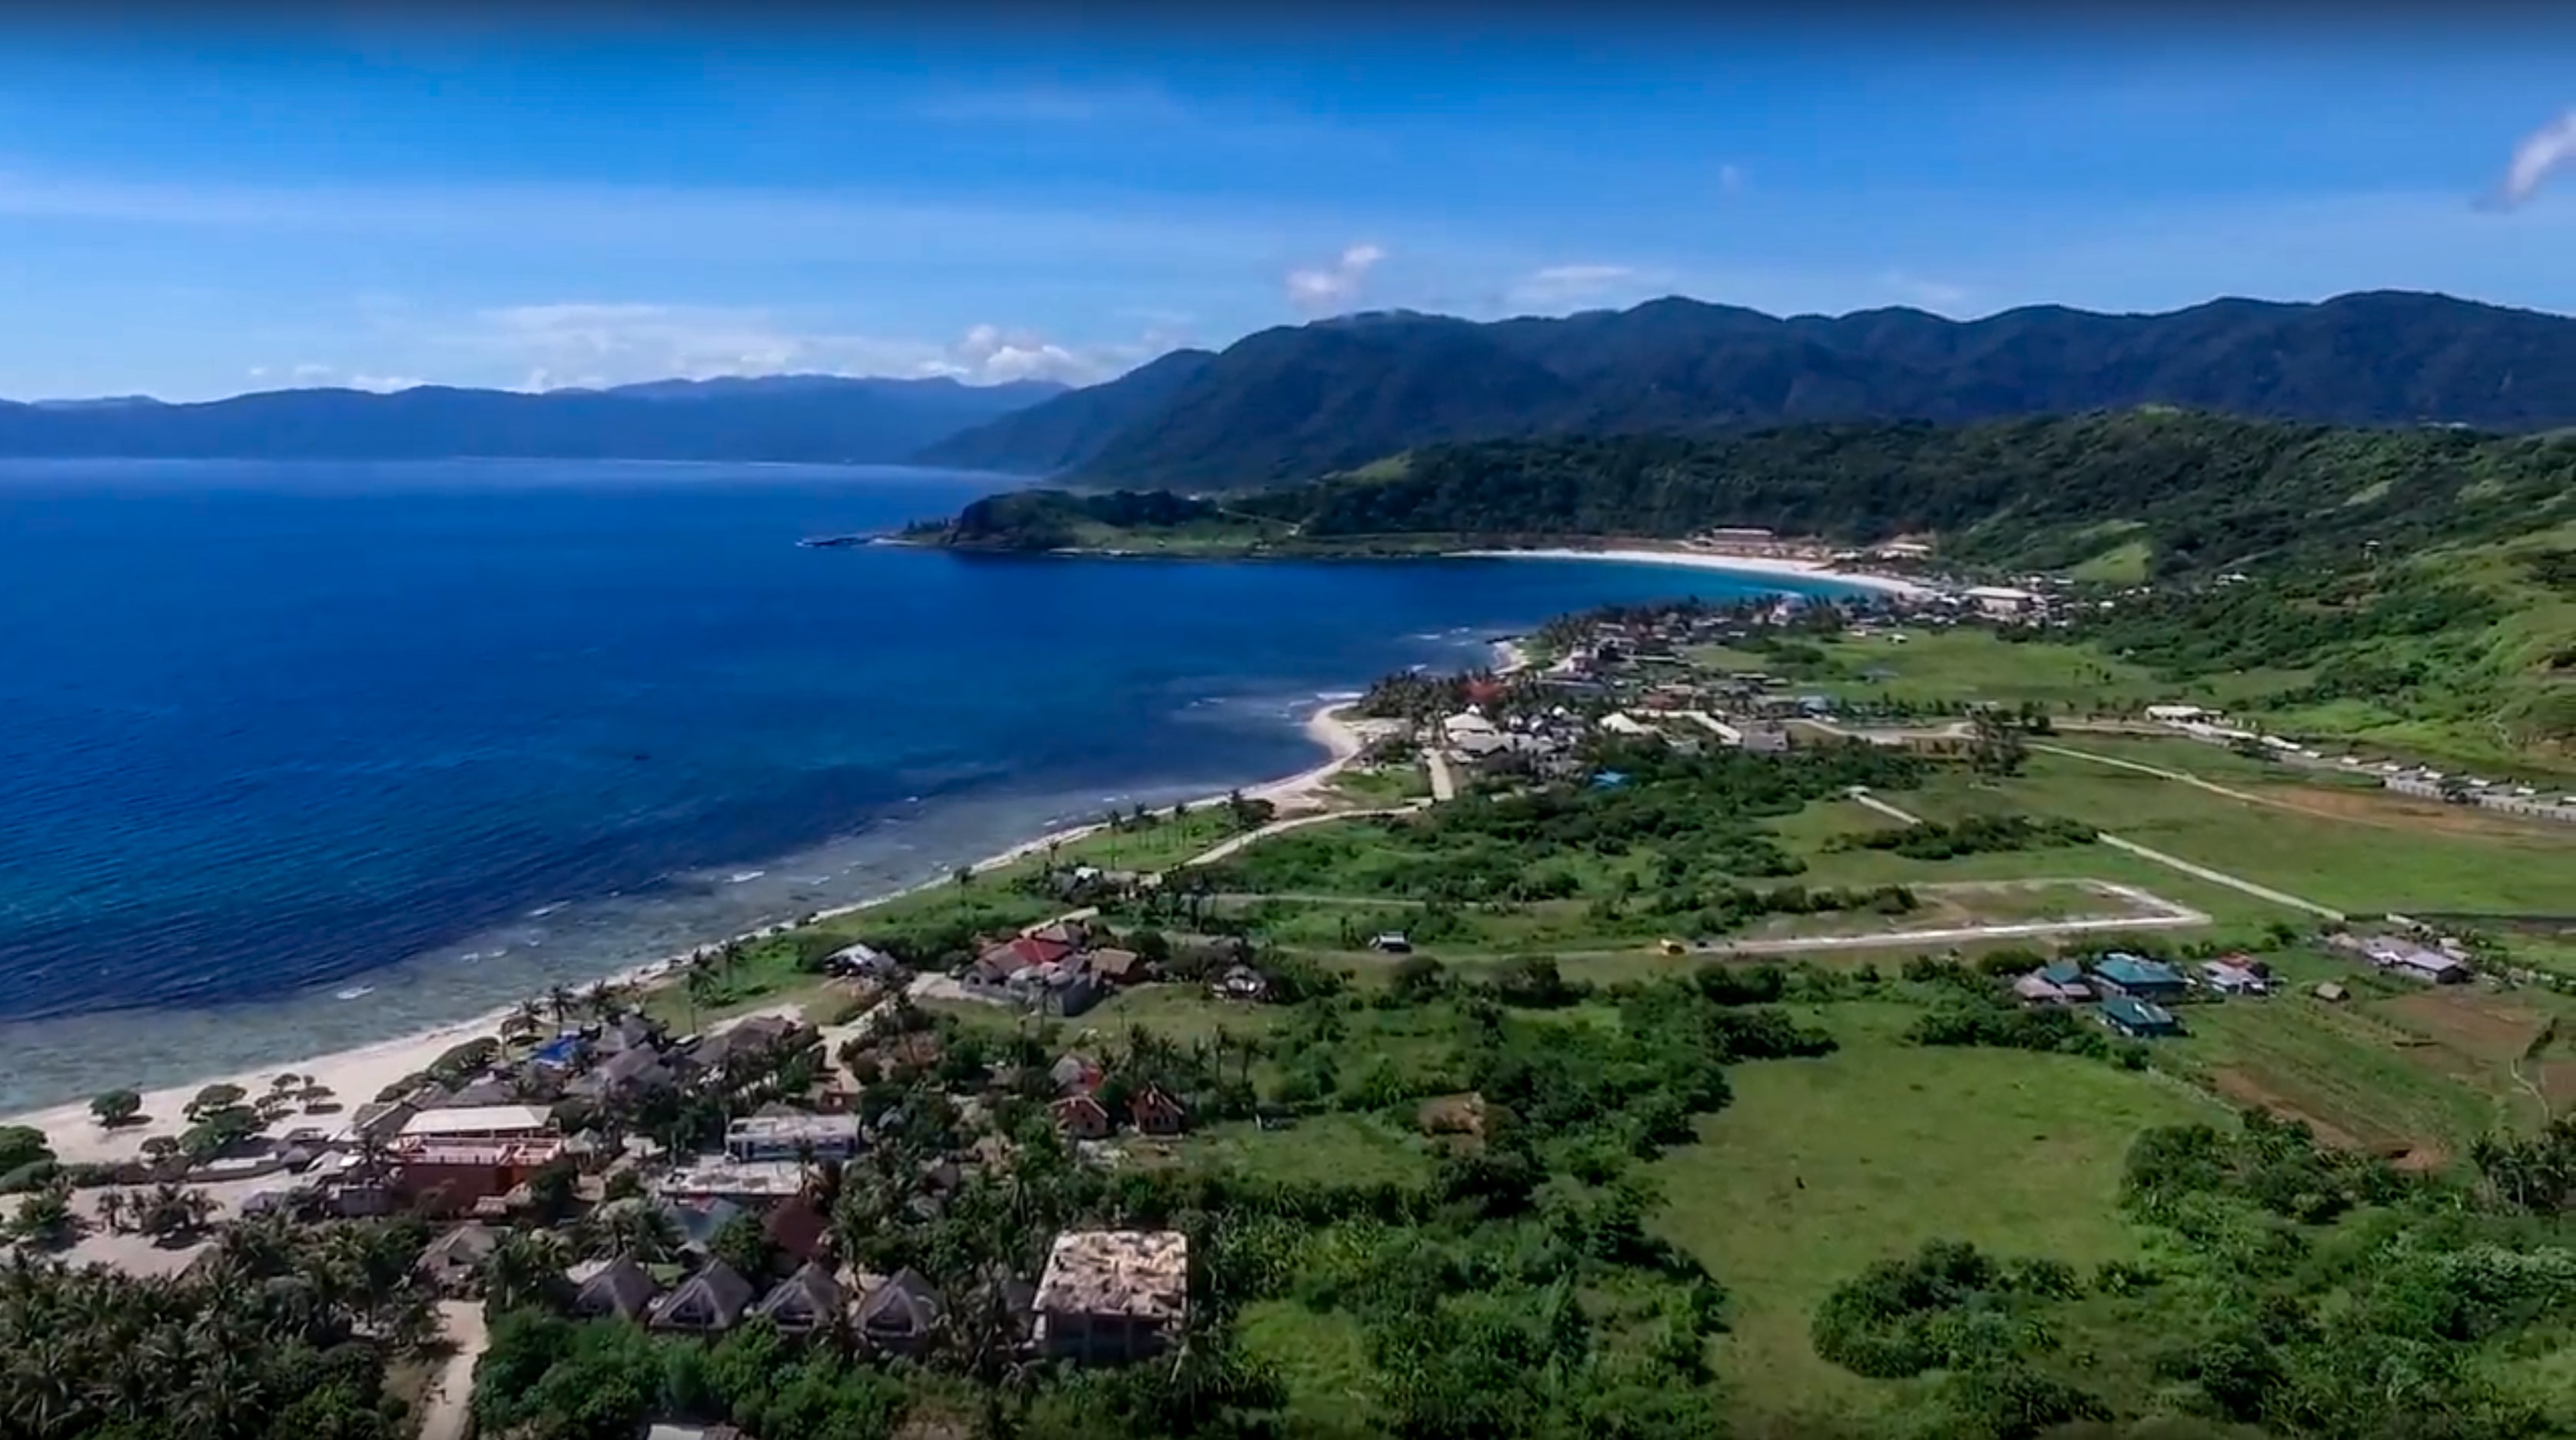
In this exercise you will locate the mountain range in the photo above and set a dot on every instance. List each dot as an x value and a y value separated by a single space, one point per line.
1294 403
814 418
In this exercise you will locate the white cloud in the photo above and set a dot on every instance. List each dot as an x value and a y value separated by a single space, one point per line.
1333 288
2541 153
385 384
1555 286
594 345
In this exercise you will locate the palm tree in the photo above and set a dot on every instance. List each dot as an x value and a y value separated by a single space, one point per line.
526 1268
559 1001
111 1210
642 1231
524 1022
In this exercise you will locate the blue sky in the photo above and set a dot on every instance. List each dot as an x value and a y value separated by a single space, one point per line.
207 213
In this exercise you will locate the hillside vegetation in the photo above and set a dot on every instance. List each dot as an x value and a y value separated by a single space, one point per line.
1294 403
2416 584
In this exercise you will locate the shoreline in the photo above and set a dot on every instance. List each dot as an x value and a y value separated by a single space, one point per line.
355 1074
1779 567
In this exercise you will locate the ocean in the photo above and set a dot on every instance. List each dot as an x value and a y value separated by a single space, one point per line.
297 757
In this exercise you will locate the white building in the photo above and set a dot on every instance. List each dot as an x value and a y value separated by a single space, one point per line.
481 1122
757 1138
2000 599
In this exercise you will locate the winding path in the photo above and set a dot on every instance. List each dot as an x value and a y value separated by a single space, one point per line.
446 1415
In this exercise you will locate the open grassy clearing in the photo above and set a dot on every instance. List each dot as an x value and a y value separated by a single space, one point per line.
1374 785
2218 763
2358 867
1340 1149
1822 1166
1159 843
1948 669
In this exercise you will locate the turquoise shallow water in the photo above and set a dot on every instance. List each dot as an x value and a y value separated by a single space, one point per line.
296 757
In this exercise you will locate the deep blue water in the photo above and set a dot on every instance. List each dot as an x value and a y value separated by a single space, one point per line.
444 732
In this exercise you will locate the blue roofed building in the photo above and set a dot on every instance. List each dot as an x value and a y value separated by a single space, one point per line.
2140 978
2139 1019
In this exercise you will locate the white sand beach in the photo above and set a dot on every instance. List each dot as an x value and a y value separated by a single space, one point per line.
1708 560
355 1076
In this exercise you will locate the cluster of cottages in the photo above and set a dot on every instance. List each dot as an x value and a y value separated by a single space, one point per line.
2396 955
2130 993
1105 1296
1540 744
1082 1113
1061 968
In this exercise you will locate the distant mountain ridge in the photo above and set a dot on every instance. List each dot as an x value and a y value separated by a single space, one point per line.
1293 403
825 419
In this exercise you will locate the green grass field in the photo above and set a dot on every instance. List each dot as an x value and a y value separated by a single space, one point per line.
2349 853
1820 1167
1340 1148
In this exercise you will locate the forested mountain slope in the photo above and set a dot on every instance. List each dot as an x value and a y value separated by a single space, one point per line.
1297 402
2392 576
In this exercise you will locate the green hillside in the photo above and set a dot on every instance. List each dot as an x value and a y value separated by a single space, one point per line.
2414 585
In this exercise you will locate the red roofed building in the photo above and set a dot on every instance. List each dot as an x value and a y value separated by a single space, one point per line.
1081 1117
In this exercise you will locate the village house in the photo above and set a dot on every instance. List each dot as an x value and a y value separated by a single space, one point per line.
2059 983
2138 1019
758 1184
804 1303
901 1315
1154 1111
616 1289
707 1303
2139 978
1110 1296
1118 967
628 1072
439 1178
2236 975
1081 1117
2406 958
756 1036
453 1263
795 1136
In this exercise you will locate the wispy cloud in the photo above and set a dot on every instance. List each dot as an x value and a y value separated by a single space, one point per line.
1333 288
1730 178
2541 154
590 345
1556 286
838 225
1054 105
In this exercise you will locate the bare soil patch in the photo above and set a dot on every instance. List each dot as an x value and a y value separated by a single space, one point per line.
2489 1028
2245 1088
2556 1080
2388 811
